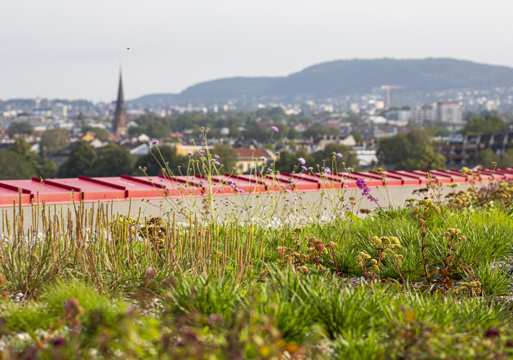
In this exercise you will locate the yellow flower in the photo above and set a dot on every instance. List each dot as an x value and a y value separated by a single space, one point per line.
375 241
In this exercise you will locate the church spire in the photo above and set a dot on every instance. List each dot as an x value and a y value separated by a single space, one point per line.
119 123
121 97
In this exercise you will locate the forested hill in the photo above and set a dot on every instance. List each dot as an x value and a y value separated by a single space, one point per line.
344 77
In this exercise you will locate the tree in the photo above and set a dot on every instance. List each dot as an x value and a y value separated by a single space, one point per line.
288 162
137 130
392 150
53 141
397 148
154 161
79 161
335 163
319 130
100 134
423 159
15 166
228 157
357 136
22 147
112 160
412 151
20 128
490 124
47 169
507 159
157 130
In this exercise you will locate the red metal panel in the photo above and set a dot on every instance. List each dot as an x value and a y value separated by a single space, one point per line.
47 192
406 175
9 194
324 181
455 178
230 184
138 188
311 180
298 183
178 186
271 182
353 176
507 175
404 180
391 181
92 189
440 178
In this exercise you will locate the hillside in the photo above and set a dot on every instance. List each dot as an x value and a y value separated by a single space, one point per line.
344 77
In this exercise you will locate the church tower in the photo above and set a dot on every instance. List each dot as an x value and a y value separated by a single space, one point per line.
119 124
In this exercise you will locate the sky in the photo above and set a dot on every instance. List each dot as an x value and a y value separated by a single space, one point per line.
73 49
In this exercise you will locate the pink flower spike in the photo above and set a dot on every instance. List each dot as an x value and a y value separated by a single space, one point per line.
274 128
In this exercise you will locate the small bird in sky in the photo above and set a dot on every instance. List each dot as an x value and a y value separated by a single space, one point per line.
128 48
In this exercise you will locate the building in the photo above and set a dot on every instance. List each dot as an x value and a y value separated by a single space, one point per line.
119 124
425 113
248 156
448 112
60 110
398 115
464 149
321 141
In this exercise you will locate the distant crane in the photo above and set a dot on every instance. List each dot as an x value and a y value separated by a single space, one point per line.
388 87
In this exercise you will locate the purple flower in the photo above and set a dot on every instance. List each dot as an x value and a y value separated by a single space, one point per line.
287 199
288 191
161 180
217 163
190 153
217 156
227 202
310 168
346 187
151 202
304 168
202 151
295 198
302 161
327 170
241 191
212 160
326 196
323 160
349 169
219 190
154 142
274 128
262 158
339 155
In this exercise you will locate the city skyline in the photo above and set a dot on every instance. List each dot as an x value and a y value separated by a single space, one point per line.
167 47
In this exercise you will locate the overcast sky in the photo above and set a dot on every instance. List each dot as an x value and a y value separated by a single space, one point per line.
72 48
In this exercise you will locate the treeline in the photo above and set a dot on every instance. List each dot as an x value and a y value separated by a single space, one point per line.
112 160
410 151
242 124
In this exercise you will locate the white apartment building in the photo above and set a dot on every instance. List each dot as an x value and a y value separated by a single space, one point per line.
60 110
448 112
420 115
399 115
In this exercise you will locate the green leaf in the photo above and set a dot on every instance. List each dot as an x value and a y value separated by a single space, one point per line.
353 217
